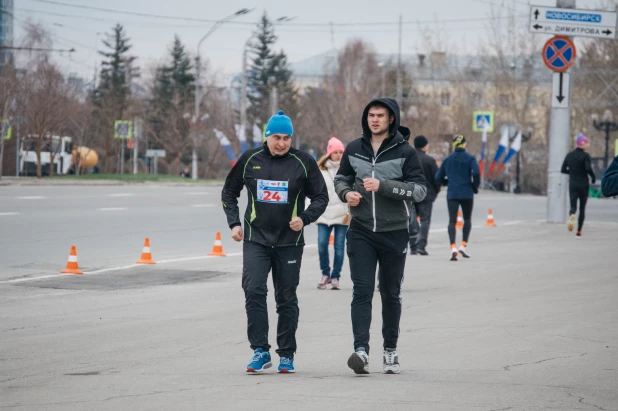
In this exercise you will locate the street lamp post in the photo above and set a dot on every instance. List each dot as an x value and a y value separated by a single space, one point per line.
243 88
197 85
608 125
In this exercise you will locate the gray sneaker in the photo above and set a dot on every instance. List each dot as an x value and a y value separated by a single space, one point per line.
390 361
359 361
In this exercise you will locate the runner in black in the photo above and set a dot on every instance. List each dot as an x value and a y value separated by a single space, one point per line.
577 166
277 178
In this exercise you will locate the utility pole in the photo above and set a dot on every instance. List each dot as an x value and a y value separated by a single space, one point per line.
17 150
399 85
274 101
559 137
196 119
127 80
243 93
137 134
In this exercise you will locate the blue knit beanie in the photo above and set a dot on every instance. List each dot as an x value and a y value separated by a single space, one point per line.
279 124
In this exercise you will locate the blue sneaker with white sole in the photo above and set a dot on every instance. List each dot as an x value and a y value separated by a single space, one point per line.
286 365
260 361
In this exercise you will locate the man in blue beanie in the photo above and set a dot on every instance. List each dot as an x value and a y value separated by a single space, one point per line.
277 178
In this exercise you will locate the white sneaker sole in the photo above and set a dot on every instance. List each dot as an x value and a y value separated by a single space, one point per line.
357 364
571 222
391 370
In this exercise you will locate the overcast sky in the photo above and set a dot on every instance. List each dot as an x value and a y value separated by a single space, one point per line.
308 34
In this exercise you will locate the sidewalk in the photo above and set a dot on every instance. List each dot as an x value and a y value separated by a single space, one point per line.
528 323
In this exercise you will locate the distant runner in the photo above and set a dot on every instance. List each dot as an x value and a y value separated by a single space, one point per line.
577 166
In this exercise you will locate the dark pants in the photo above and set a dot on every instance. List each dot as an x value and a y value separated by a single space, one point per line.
419 235
466 211
339 248
285 262
365 250
581 194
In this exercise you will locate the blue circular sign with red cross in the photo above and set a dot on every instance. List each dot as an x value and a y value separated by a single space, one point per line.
559 53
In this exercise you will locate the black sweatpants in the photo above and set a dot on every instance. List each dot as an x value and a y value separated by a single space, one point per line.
466 210
284 262
422 210
579 193
365 250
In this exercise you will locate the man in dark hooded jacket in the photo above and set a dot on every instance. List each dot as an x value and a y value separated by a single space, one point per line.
609 182
379 176
420 232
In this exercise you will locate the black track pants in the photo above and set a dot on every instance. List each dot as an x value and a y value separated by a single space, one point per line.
581 194
284 262
365 250
466 211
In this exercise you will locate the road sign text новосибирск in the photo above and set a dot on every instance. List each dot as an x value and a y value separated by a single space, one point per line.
573 22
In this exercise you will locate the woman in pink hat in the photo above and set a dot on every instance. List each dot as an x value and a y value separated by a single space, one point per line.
335 217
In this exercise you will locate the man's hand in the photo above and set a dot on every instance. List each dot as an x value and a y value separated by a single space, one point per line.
237 233
371 184
353 198
297 224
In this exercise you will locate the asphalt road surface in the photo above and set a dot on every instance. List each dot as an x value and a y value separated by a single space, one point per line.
529 322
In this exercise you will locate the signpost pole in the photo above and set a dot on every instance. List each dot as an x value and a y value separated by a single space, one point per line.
122 156
483 150
559 137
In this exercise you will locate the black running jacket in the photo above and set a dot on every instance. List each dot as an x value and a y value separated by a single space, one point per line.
276 189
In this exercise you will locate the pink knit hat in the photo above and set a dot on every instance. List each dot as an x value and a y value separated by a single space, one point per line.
581 140
334 144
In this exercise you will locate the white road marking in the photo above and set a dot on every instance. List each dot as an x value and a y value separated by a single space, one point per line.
175 260
122 195
30 198
512 222
202 205
111 209
9 213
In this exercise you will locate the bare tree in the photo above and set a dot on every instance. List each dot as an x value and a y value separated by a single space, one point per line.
81 126
8 92
44 98
338 103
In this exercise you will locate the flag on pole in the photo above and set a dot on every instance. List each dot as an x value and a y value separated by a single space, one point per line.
515 147
242 137
504 142
258 136
225 143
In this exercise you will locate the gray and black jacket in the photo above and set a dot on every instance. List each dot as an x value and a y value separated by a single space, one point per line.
396 165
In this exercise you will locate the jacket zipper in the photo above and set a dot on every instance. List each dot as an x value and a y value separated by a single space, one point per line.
373 193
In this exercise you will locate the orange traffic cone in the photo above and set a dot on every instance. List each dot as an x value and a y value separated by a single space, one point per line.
72 267
217 249
490 219
146 254
331 240
459 220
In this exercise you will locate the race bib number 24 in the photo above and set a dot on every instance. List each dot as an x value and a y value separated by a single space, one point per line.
270 191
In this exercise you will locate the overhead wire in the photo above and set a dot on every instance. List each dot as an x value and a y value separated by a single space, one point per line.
326 25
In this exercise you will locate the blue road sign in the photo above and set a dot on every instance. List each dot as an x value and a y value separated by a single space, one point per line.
482 119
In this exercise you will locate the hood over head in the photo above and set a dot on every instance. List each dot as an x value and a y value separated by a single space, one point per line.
393 108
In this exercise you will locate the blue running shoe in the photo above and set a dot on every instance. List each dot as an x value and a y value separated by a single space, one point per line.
259 362
286 365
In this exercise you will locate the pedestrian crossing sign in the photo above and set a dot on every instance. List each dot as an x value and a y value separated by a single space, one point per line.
6 129
482 119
